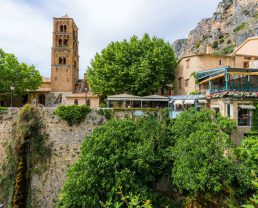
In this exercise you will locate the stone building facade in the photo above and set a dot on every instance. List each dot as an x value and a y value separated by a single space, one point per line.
64 86
230 83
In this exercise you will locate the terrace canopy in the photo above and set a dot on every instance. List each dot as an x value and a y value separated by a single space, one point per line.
126 100
241 79
187 99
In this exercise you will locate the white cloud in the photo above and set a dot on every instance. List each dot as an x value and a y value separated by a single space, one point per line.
27 24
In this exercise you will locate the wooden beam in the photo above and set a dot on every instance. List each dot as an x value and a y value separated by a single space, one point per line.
211 78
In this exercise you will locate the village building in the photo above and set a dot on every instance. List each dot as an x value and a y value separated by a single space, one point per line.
229 83
64 86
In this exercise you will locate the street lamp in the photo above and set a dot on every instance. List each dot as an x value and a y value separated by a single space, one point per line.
12 88
86 91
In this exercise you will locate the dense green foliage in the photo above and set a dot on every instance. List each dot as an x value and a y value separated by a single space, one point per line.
205 167
248 153
28 152
255 118
138 66
73 114
122 153
193 153
22 77
106 113
3 109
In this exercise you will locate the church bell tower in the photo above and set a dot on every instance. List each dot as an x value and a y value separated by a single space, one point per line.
65 58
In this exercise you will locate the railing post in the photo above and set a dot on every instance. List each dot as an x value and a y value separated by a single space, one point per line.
210 86
226 79
248 83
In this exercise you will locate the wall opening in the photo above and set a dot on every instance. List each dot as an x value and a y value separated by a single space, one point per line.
42 99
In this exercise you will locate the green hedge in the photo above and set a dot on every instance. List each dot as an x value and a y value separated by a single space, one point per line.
73 114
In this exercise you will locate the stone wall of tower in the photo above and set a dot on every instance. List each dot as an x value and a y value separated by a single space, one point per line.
65 58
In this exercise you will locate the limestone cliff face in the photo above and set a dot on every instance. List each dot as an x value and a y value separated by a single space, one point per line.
232 23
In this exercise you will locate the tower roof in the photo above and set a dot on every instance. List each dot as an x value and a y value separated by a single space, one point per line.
65 16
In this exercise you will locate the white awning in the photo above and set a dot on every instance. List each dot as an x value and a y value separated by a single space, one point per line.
179 102
202 101
215 106
249 107
190 102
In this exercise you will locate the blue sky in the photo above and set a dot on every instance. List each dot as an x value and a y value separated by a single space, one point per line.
26 25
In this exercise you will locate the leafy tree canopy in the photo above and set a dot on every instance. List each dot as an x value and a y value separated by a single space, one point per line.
138 66
194 154
205 166
21 77
122 153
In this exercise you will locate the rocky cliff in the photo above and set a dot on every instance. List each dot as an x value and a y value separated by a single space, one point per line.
232 23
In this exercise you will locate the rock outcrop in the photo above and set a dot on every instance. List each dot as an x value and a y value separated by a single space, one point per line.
232 23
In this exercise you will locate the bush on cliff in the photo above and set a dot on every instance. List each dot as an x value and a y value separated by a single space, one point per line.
73 114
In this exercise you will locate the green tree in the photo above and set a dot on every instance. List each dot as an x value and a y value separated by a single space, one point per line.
248 153
205 167
122 153
21 77
138 66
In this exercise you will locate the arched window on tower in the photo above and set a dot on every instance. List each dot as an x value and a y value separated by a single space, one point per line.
65 42
61 28
65 27
60 42
64 60
60 60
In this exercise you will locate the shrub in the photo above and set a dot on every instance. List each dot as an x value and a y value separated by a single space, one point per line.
247 152
72 114
3 109
106 113
241 27
228 50
221 41
215 44
229 41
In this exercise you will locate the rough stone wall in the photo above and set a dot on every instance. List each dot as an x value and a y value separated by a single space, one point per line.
7 121
66 142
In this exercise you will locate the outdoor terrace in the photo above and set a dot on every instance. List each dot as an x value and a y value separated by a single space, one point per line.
228 79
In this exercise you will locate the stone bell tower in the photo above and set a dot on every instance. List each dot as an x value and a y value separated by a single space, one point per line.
65 58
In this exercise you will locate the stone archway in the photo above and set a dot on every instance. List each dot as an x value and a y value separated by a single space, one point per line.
42 99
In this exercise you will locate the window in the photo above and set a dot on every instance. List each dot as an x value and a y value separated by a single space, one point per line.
65 28
61 28
60 42
186 82
187 63
220 62
60 60
244 117
64 60
75 102
246 64
65 42
180 83
228 110
88 102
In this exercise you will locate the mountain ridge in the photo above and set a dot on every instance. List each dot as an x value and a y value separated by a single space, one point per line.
231 24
